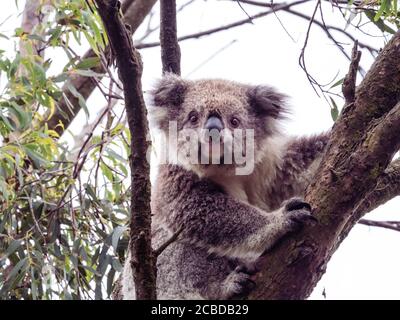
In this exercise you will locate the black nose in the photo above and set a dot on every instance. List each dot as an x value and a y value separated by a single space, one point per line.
214 122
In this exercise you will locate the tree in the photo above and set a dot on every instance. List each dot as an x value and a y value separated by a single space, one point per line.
65 209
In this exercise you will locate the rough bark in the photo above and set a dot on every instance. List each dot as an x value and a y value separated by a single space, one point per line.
170 51
134 14
387 187
363 142
130 70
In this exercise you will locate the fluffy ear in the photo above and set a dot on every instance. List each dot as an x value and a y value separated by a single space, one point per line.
266 101
170 90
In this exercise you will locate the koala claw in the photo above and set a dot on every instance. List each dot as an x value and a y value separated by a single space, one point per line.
299 212
250 269
240 283
297 204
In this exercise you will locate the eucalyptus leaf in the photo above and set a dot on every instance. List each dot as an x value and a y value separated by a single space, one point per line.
118 231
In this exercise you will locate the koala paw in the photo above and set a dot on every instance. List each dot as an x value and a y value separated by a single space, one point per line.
298 213
239 283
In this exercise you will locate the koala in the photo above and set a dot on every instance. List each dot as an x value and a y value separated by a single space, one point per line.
226 220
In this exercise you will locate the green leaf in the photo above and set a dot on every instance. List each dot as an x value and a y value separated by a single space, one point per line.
118 231
55 35
70 106
87 73
88 63
14 66
334 110
103 260
80 98
110 280
91 193
24 118
91 41
14 245
37 159
46 101
113 155
36 37
16 274
6 122
67 295
116 265
382 9
5 218
19 31
34 287
39 74
97 291
379 23
61 77
337 83
91 270
107 172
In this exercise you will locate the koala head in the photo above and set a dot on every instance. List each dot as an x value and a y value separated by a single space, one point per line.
215 120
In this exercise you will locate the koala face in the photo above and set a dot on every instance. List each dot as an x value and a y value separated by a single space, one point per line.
215 119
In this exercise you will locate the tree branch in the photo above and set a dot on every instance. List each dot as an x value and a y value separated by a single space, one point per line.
349 82
170 51
166 244
349 170
392 225
134 14
387 187
130 72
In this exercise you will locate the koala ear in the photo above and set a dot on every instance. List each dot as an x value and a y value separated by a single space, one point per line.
266 101
170 90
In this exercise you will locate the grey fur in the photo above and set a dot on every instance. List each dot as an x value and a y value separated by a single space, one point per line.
228 221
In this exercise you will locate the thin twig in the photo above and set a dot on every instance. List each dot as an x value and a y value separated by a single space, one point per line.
328 28
302 61
392 225
245 12
211 57
165 245
349 82
224 27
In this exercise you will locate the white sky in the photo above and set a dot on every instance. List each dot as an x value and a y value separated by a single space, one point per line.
367 264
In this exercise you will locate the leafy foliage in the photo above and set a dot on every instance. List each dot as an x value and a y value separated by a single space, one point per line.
62 215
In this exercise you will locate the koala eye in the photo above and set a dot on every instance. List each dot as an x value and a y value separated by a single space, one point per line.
193 118
234 122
